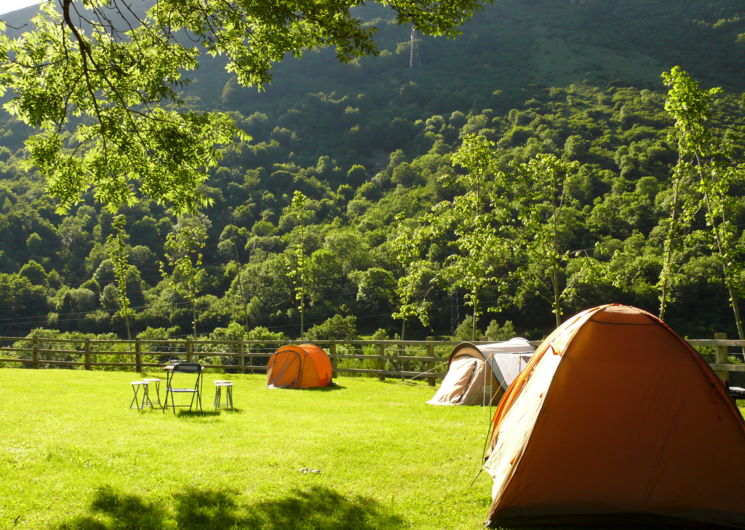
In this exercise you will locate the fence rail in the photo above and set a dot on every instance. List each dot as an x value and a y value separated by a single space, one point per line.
425 360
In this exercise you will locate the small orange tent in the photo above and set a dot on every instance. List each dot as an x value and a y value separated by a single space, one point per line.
616 419
301 366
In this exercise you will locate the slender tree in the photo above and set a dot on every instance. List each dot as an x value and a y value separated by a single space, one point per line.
703 164
118 249
299 270
478 232
546 227
183 253
419 273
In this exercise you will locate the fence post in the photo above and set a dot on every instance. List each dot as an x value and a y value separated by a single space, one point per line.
189 350
720 356
37 363
430 364
138 356
332 356
381 361
87 353
241 358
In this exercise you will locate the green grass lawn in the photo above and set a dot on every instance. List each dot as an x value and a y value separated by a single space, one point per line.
75 456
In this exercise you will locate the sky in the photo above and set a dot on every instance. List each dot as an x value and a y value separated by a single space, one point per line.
11 5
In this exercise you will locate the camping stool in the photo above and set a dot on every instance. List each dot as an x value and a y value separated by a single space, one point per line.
140 401
156 382
228 385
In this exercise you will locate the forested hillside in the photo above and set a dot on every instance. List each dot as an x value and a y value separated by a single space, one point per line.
350 203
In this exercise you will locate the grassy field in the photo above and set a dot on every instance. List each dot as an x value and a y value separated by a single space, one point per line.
367 454
364 455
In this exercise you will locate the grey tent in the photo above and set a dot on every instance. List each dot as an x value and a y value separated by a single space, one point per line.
479 374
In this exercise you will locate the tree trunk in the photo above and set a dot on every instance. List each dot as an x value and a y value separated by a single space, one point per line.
194 318
738 319
557 294
722 257
302 320
667 258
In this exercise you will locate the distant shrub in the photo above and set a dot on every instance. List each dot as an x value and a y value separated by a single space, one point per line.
162 352
151 333
464 331
496 332
335 328
260 333
46 341
233 332
380 334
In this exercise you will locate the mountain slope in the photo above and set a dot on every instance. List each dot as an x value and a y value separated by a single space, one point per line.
371 144
516 46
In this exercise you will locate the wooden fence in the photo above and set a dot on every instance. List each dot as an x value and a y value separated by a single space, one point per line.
421 360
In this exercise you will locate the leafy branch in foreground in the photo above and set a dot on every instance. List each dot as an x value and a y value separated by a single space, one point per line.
99 81
95 99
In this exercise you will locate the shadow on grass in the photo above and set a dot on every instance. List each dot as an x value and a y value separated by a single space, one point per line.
195 413
407 382
185 413
110 509
312 508
331 387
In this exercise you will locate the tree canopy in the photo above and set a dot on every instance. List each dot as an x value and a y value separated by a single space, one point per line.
99 81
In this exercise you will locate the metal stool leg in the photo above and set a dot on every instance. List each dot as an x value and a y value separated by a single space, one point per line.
146 397
140 401
156 382
135 399
216 404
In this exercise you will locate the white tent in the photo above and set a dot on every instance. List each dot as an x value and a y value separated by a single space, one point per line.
479 374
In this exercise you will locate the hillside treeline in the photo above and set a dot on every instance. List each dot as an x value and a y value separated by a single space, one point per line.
329 217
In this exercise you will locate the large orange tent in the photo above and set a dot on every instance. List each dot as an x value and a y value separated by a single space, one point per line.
301 366
616 419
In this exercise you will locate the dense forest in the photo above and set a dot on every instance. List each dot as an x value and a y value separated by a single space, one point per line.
398 194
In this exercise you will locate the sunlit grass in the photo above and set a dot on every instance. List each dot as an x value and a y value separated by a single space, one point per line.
368 454
365 455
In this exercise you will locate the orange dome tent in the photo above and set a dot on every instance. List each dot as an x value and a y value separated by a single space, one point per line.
301 366
616 419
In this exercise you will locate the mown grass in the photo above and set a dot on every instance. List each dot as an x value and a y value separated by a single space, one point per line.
364 455
75 456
